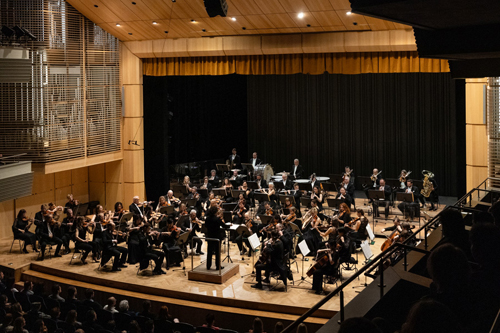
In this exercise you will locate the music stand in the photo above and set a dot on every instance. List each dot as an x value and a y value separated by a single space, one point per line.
189 202
330 187
180 188
304 250
335 179
167 210
248 167
282 198
252 185
227 216
180 242
278 185
366 182
81 210
305 202
297 233
229 206
254 244
261 197
227 231
406 198
266 219
334 203
243 230
181 220
235 193
203 193
376 195
305 186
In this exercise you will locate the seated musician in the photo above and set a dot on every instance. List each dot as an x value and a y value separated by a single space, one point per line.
343 195
273 261
134 248
228 187
310 232
72 203
252 228
244 187
296 195
357 226
236 177
214 179
348 173
411 208
81 243
343 245
344 215
67 229
385 202
39 216
396 225
318 196
195 195
111 249
187 182
136 207
327 260
239 212
171 200
162 202
261 183
119 211
21 230
148 253
266 231
349 189
168 235
271 192
265 209
48 237
297 170
192 225
206 185
287 184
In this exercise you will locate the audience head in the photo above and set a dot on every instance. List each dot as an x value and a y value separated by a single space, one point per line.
39 326
358 325
28 285
123 307
258 325
55 312
134 327
89 293
449 269
149 326
452 222
146 305
163 313
302 328
111 302
90 316
19 324
56 289
485 240
71 292
279 327
429 316
71 317
484 217
210 319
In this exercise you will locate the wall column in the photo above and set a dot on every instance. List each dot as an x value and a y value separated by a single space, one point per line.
476 132
133 155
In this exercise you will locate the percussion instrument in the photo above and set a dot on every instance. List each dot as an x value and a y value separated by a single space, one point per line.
301 181
265 170
322 179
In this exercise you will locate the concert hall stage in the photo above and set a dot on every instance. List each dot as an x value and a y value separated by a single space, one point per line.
233 296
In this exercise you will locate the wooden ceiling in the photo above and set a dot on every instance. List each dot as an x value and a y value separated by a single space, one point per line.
245 17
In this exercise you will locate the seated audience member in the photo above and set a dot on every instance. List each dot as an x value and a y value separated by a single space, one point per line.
210 321
149 326
428 316
257 327
133 327
124 307
111 305
163 315
71 295
56 293
495 212
39 327
18 325
71 319
358 325
302 328
89 300
91 322
454 230
146 307
279 327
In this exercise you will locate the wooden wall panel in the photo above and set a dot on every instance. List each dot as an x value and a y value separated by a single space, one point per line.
62 179
246 45
475 175
205 47
130 67
114 172
96 173
474 105
134 172
373 41
7 215
170 48
97 191
43 182
323 43
81 192
285 44
133 104
61 193
477 145
114 193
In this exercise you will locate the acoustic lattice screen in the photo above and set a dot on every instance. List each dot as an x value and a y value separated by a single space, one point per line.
494 130
71 106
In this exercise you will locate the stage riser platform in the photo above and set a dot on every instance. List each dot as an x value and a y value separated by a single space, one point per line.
201 274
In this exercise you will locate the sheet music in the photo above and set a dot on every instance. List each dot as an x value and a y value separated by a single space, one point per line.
304 249
254 241
370 232
367 251
235 226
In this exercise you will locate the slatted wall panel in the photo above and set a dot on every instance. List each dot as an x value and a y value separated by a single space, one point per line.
494 130
70 108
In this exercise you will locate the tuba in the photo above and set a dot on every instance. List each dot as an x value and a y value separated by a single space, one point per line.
428 187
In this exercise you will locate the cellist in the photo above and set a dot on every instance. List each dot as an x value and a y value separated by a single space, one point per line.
327 259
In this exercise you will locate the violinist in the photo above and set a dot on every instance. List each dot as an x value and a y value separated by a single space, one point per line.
343 195
67 229
119 211
21 228
148 253
206 184
344 215
111 249
48 237
171 200
214 225
296 197
136 208
358 226
169 235
252 228
385 202
239 212
187 182
72 202
195 195
273 261
327 260
192 225
81 242
134 248
182 211
54 210
265 209
99 222
244 187
343 245
266 231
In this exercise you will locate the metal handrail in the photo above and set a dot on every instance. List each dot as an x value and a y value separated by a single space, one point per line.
208 254
15 157
378 260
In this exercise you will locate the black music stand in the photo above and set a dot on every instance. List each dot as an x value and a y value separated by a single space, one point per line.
203 193
180 188
252 185
189 202
305 202
376 195
235 183
81 210
330 187
229 207
243 230
406 198
219 192
248 167
334 203
180 242
282 198
167 210
235 193
395 184
181 220
279 185
227 231
366 182
227 216
261 197
305 186
266 219
223 169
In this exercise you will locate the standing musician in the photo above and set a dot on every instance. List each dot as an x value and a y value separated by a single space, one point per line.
287 184
234 160
111 249
326 264
214 225
348 173
344 196
433 196
357 226
252 228
48 237
296 196
213 179
239 212
72 203
147 251
81 242
171 200
385 202
348 185
21 231
297 170
255 161
271 261
206 185
411 208
192 225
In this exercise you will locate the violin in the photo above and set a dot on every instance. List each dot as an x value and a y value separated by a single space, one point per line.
290 217
353 221
175 229
269 212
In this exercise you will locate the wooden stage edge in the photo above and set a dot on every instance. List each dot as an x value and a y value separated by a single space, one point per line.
198 299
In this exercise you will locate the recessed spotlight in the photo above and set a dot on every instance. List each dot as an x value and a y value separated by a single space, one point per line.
118 24
133 3
355 23
96 6
348 13
204 30
233 18
244 28
154 22
130 33
300 15
193 21
166 31
173 0
308 25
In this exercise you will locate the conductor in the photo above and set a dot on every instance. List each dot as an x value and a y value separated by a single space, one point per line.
213 224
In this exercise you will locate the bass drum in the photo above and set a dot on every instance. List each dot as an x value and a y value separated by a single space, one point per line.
265 170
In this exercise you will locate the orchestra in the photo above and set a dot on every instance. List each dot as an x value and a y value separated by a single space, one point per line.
147 232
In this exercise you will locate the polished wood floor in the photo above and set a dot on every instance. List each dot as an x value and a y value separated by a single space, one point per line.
238 288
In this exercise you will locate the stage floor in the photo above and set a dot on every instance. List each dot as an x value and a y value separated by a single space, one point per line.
236 291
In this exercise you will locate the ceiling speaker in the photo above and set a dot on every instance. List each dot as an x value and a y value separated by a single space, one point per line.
216 7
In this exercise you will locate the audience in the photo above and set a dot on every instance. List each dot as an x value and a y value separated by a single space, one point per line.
111 305
71 319
89 300
210 321
358 325
302 328
429 316
279 327
257 327
71 296
146 306
56 293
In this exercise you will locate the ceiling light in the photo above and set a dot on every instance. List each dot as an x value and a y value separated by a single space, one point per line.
154 22
133 3
193 21
130 33
233 18
204 30
118 24
166 31
348 13
96 6
300 15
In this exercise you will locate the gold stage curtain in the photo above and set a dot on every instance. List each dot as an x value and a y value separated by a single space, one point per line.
317 63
